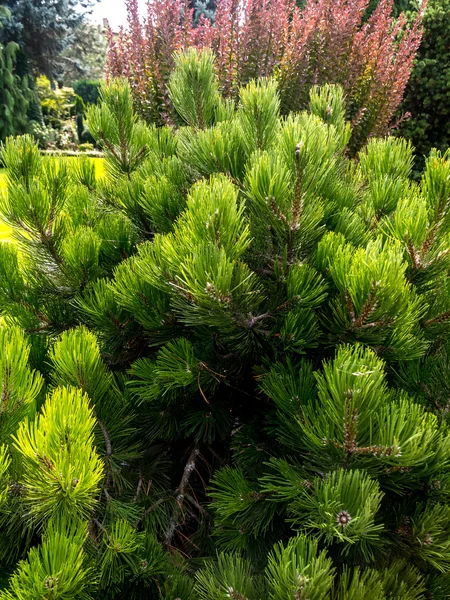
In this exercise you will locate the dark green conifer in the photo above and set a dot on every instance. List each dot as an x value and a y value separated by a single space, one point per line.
15 94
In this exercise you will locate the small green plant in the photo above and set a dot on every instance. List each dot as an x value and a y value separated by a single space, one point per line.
86 147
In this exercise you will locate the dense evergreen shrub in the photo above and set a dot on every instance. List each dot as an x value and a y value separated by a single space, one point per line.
427 97
225 367
88 91
15 95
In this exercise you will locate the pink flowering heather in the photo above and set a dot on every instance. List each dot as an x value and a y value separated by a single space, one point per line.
326 42
144 53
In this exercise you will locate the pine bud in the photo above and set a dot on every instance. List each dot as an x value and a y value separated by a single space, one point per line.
16 488
343 518
303 581
234 594
51 583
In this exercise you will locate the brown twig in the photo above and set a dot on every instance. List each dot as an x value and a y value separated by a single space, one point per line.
108 445
440 318
181 492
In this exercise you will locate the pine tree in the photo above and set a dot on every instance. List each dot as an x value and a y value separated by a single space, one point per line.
43 29
225 366
85 56
203 9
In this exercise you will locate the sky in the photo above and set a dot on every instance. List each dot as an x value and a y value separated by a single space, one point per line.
113 10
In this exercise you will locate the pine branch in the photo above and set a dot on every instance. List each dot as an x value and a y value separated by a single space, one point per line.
139 487
350 307
297 206
108 445
367 310
151 509
181 492
350 428
415 259
440 318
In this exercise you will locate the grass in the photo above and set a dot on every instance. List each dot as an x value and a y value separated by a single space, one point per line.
5 230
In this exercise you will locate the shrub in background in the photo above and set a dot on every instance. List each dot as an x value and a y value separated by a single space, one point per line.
15 94
86 147
244 337
427 96
84 57
59 107
327 41
44 136
57 104
87 90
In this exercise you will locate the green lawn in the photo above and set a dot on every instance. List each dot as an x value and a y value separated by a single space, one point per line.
5 230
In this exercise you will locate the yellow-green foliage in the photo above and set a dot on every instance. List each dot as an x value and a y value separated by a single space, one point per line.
245 338
5 230
57 103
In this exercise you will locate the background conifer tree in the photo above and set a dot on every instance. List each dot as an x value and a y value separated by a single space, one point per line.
15 95
205 8
43 29
427 94
225 366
